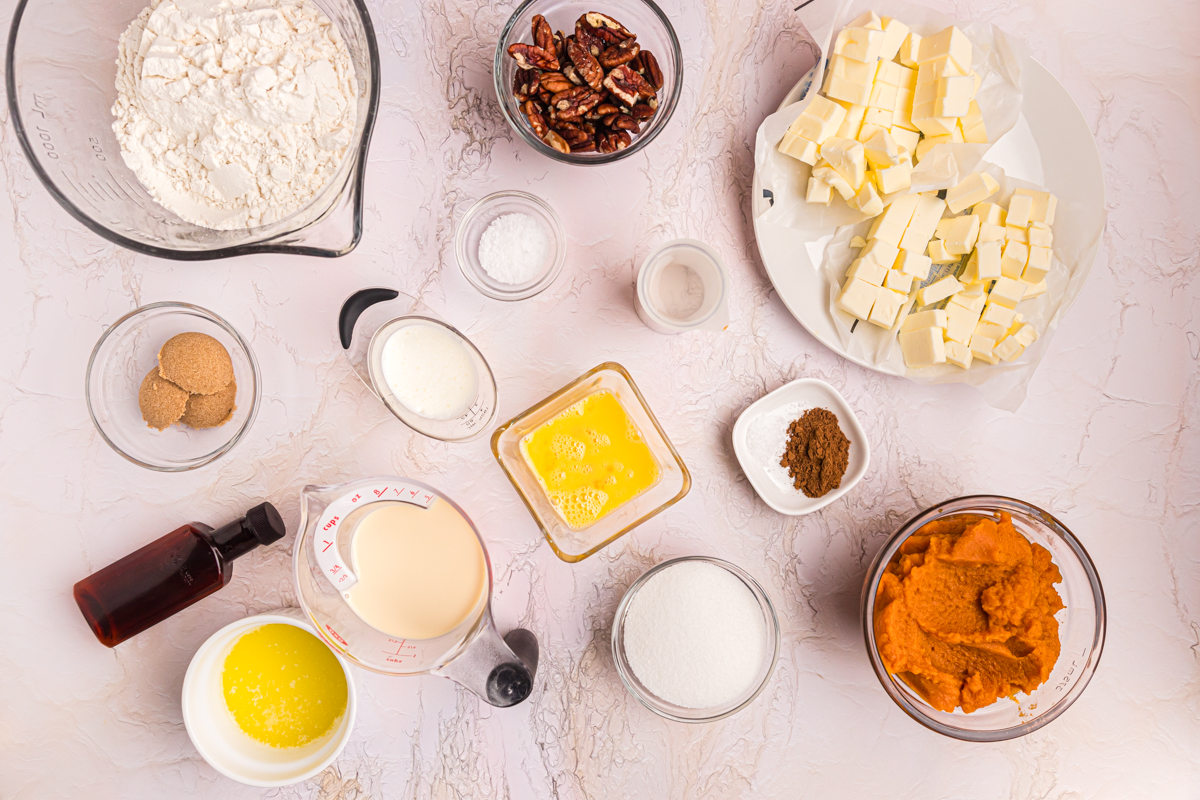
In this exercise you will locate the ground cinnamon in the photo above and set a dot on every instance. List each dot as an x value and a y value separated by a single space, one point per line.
816 453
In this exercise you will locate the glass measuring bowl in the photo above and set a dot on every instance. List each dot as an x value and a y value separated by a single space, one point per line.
368 319
61 80
499 670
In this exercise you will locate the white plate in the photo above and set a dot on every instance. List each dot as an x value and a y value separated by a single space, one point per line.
759 433
1051 145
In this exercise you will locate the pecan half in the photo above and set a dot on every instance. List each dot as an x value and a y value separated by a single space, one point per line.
619 53
572 74
602 110
606 27
554 82
627 86
575 102
521 79
531 57
543 37
586 64
647 67
572 134
622 122
613 141
539 125
586 35
641 112
557 142
586 147
531 107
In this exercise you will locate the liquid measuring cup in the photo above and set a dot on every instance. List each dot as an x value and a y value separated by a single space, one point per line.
472 653
683 286
368 319
61 69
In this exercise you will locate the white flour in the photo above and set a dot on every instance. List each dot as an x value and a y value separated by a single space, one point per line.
234 113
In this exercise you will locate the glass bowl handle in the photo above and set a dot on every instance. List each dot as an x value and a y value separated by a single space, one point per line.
500 671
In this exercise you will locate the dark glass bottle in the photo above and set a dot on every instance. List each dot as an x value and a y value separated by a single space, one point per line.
168 575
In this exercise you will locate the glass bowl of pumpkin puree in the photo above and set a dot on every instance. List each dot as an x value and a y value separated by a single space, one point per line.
984 618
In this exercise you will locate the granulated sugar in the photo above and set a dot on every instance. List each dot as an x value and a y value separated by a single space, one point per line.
514 249
695 635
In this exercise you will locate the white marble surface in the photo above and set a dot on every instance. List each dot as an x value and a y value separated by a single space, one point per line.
1108 439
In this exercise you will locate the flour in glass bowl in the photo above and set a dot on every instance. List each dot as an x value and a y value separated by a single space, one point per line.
234 113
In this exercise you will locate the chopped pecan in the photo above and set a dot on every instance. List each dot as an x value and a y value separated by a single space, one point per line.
543 37
557 142
585 63
627 86
619 53
531 57
539 125
647 67
575 102
554 82
607 28
586 35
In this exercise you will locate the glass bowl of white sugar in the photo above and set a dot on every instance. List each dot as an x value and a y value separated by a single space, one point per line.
695 639
510 245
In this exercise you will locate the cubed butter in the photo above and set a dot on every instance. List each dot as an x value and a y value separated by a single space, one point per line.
1043 206
853 70
1009 348
1038 266
960 322
910 49
1034 290
847 90
898 281
862 44
1040 235
882 96
857 297
881 252
881 150
939 254
933 318
867 200
975 188
800 148
930 142
1020 206
954 93
867 270
819 121
990 213
938 290
905 138
924 220
961 234
1026 334
848 158
990 259
833 178
887 306
997 314
958 354
950 42
923 347
931 125
972 301
818 191
889 226
981 348
990 330
1007 292
894 34
868 19
1014 234
858 241
1013 259
853 122
883 117
897 178
915 264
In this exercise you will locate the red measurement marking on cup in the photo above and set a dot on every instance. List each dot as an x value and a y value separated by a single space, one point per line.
335 635
379 492
328 544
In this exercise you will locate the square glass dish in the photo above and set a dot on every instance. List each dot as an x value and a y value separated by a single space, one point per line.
571 544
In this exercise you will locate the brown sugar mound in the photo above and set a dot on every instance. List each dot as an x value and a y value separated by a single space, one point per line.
817 452
211 410
162 402
195 362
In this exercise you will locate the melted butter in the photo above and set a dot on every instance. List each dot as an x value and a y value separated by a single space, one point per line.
283 686
591 459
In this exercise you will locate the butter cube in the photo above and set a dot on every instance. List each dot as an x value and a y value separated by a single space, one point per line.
1007 292
869 270
883 117
960 322
1009 349
881 252
934 318
852 70
1038 266
930 142
939 254
972 301
981 348
948 42
954 95
867 200
938 290
800 148
1040 234
1013 259
1015 234
1043 205
852 123
938 68
894 34
830 175
989 213
818 191
958 354
990 233
975 188
969 277
867 131
887 306
991 265
974 134
858 241
1020 206
897 178
990 330
889 73
1034 290
1026 334
868 19
881 149
848 158
910 49
932 125
998 314
902 115
862 44
819 121
960 234
889 226
923 347
898 281
925 94
924 220
915 264
858 297
974 115
905 138
847 90
882 96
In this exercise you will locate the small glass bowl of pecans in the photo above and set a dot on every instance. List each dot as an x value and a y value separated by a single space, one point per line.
588 84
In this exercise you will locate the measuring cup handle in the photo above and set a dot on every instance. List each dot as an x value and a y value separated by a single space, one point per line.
501 671
355 305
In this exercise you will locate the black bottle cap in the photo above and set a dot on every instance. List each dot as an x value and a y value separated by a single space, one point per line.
261 525
265 523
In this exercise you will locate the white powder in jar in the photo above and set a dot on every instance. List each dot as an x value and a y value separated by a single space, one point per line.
514 249
695 635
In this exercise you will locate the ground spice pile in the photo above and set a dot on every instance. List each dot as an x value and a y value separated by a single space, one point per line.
816 453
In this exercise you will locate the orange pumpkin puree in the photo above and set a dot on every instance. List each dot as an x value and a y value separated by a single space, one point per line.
965 612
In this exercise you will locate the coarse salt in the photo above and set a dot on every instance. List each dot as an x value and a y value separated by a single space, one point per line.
514 249
695 635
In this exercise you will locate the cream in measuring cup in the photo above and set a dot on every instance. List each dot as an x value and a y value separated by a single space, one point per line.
429 371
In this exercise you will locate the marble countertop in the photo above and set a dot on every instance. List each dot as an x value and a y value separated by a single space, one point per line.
1108 439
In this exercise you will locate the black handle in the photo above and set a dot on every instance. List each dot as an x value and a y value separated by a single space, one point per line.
355 305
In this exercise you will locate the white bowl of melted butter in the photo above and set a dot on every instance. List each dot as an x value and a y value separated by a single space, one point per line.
229 748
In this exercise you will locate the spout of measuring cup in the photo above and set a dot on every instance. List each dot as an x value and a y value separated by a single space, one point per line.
499 670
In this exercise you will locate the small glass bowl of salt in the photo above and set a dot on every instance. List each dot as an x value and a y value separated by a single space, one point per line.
695 639
510 245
